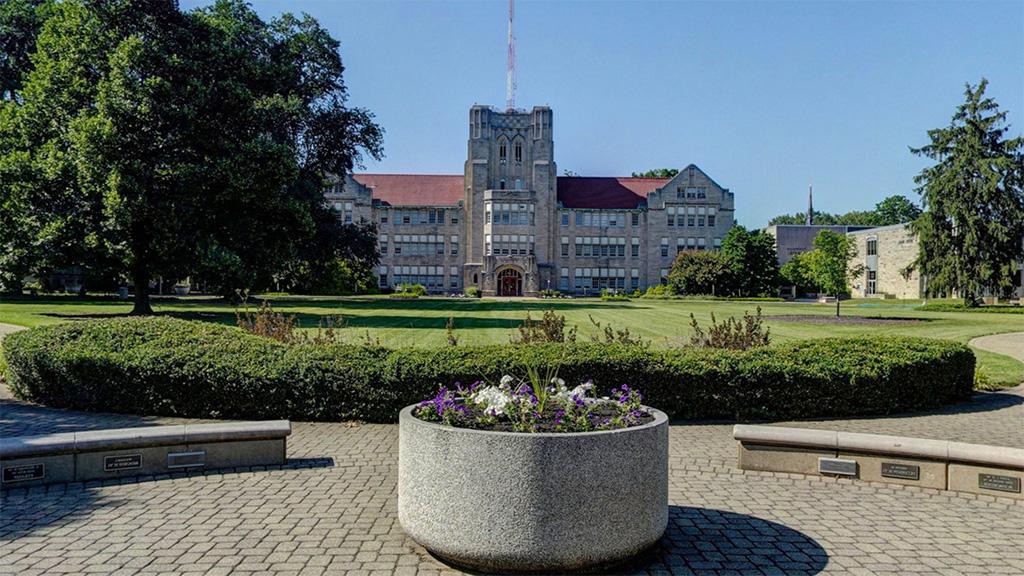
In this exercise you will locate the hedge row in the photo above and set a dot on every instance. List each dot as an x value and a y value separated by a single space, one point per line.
960 307
179 368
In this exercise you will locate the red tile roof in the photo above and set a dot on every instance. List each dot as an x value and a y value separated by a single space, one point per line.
605 192
608 192
414 189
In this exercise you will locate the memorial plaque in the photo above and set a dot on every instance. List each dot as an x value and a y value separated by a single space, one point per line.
186 459
837 466
24 472
901 471
122 462
997 482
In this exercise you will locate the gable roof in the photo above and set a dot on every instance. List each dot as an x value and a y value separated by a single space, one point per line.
606 192
414 189
600 192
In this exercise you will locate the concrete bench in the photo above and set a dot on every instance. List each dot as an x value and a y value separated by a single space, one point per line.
148 450
940 464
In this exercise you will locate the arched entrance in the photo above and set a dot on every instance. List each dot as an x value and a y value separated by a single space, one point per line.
510 282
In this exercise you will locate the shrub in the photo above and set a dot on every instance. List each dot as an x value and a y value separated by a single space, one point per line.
180 368
472 292
549 293
404 295
732 334
961 307
611 296
415 289
550 328
658 291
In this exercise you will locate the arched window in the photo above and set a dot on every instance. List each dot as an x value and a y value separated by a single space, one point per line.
501 184
519 153
519 184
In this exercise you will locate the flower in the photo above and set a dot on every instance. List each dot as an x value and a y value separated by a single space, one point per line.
493 399
506 381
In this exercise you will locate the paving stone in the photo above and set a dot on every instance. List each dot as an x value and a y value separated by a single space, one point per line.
332 509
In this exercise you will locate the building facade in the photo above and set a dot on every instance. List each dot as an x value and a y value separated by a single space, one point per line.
887 254
511 226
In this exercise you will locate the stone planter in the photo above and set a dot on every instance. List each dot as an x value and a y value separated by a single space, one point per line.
182 289
512 502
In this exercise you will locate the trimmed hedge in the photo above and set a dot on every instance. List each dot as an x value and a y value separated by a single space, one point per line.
960 307
194 369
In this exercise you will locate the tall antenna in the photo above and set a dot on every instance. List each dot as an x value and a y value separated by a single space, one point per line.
810 204
510 74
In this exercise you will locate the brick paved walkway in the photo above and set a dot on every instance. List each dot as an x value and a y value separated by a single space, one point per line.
332 510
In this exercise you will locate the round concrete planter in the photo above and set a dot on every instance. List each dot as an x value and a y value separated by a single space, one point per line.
512 502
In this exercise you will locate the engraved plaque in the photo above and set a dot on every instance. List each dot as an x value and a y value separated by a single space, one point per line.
24 472
901 471
122 462
186 459
993 482
837 466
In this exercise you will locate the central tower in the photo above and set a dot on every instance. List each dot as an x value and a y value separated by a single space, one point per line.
510 201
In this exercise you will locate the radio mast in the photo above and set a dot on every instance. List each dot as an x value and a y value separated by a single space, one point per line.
510 74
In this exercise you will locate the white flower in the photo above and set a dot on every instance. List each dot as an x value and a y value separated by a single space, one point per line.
559 383
492 399
506 381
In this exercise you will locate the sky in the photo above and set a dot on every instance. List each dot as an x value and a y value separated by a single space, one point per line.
766 97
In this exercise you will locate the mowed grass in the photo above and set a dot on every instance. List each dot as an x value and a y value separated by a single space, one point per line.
397 323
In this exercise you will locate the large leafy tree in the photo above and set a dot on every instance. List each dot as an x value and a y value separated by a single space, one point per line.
897 209
972 228
20 21
152 141
701 272
830 264
754 261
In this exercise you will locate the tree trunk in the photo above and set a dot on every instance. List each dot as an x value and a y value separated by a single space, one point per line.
141 278
837 305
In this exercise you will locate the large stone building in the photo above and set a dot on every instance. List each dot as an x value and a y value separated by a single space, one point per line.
887 254
511 226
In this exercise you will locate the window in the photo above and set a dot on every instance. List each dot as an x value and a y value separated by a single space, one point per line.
501 184
455 218
406 218
454 245
563 279
635 218
519 153
565 218
503 151
565 245
512 214
579 218
419 244
664 247
711 219
872 281
635 278
383 243
872 249
671 211
382 273
635 248
384 218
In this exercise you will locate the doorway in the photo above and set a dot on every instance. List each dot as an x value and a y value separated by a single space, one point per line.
510 282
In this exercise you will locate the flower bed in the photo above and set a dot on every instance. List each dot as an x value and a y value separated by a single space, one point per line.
534 405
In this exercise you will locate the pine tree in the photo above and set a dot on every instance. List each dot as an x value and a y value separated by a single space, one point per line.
972 228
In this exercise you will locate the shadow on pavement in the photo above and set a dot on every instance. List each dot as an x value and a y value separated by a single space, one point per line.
707 541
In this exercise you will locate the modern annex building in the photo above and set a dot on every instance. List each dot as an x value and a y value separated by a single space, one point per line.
511 226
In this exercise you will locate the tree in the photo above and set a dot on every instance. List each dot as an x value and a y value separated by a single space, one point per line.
700 272
657 173
754 262
155 142
971 230
20 21
829 263
796 272
896 209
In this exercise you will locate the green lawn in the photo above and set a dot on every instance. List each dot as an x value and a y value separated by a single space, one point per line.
664 322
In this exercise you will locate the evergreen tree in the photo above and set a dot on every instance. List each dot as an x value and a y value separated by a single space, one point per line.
972 228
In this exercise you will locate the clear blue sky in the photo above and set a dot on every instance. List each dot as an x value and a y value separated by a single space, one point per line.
764 96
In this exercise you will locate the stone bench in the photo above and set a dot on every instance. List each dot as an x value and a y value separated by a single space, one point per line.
940 464
148 450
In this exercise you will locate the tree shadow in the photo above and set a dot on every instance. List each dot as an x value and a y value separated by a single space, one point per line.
712 541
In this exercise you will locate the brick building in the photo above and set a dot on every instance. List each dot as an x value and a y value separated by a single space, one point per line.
511 226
